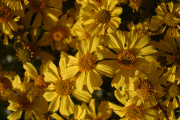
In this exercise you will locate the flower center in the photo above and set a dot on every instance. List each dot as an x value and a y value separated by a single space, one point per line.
4 14
126 59
174 90
40 83
133 112
37 5
5 83
170 19
145 89
24 103
176 58
34 48
86 63
24 54
59 33
63 87
103 16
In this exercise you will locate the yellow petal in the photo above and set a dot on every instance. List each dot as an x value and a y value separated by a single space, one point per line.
15 115
50 96
82 95
31 70
54 104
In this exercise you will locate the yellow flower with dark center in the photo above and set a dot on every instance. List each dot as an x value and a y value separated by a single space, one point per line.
59 91
130 55
100 17
131 110
23 100
172 52
59 34
86 64
47 11
166 18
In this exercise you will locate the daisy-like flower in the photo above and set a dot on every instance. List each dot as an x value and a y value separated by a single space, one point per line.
79 114
103 112
85 64
59 90
8 19
145 87
45 11
59 34
31 50
39 84
130 55
140 28
172 52
167 17
172 96
132 111
101 19
24 101
16 4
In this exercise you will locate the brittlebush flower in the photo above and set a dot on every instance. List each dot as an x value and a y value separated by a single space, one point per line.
170 46
132 111
130 55
23 100
85 64
59 33
166 18
8 21
144 88
101 19
59 90
31 48
46 11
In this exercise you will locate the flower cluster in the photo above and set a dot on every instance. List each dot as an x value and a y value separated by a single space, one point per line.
90 59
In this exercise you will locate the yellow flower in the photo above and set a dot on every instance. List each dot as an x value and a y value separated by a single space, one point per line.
59 34
131 111
170 46
31 50
103 112
144 88
167 17
85 64
59 90
39 84
130 55
171 96
23 100
47 11
8 19
101 19
16 4
140 28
